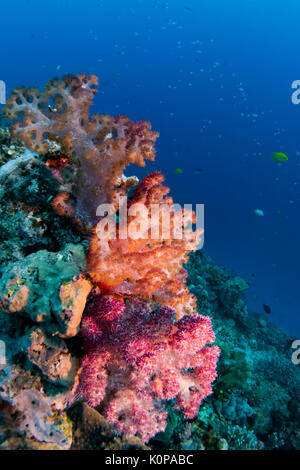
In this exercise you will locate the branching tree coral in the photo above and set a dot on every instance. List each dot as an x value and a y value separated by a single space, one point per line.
94 149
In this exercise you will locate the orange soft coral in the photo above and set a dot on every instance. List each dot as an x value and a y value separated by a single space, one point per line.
88 156
97 148
149 266
62 205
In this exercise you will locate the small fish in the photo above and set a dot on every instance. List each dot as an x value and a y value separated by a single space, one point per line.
58 67
198 171
259 212
279 157
118 74
108 136
57 162
178 171
188 8
267 309
52 110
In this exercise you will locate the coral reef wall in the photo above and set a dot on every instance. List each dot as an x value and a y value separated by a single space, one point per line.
109 322
114 342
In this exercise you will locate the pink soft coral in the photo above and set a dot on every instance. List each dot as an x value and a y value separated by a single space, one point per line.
97 148
137 359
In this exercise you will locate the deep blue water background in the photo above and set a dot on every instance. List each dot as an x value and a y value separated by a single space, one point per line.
214 78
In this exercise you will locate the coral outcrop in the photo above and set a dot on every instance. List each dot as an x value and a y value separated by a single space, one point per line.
118 327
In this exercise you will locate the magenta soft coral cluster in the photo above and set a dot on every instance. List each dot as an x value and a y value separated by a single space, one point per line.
136 359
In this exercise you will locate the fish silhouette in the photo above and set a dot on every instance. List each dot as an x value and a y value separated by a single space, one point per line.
267 309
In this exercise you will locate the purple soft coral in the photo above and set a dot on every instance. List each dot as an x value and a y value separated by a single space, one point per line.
136 360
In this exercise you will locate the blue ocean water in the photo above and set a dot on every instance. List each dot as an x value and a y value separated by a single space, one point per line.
214 78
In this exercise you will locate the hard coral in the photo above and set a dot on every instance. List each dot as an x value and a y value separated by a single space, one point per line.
97 148
30 414
150 266
137 359
91 431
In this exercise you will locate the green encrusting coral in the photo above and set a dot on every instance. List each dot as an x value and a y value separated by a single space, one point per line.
41 270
